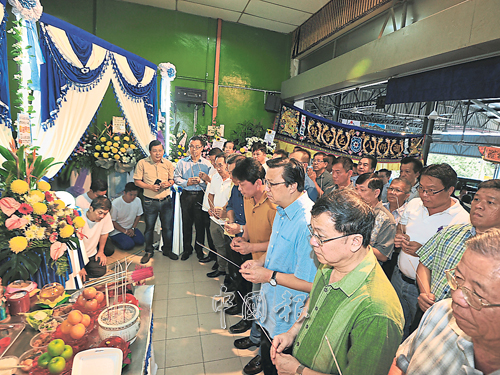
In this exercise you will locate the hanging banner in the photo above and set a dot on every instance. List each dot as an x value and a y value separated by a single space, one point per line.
304 129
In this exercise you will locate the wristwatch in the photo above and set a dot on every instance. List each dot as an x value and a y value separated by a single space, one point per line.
241 228
273 281
300 369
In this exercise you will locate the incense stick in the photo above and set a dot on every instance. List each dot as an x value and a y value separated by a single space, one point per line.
333 354
216 253
263 330
416 274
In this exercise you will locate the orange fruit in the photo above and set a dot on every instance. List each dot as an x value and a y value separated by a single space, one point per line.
89 293
99 297
80 301
75 317
77 331
85 320
66 327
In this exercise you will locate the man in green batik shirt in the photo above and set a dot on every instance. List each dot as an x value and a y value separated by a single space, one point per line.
352 302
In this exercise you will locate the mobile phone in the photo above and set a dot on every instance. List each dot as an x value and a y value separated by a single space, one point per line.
157 182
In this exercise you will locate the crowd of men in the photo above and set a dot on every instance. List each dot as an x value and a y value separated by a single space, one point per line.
351 272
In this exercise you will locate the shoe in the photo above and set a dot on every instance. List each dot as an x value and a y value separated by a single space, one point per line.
254 366
206 259
216 273
146 258
185 256
200 255
241 326
215 266
233 310
171 255
244 343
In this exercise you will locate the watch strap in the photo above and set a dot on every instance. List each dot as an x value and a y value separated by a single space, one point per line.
300 369
273 277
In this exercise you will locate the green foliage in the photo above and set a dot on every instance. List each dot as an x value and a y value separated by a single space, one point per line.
18 266
247 129
465 166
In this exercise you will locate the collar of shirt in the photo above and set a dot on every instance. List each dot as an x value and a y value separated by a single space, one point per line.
354 279
149 159
261 201
293 208
464 342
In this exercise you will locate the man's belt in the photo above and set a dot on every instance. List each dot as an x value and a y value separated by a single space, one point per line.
192 191
407 279
156 200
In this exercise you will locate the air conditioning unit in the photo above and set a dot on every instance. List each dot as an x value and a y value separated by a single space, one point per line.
189 95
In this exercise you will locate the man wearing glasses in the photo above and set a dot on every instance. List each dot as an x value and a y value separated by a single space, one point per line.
322 179
187 175
422 218
460 335
353 322
397 195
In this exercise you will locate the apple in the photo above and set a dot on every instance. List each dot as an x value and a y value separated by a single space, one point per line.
80 301
89 293
56 365
91 305
99 297
55 347
43 360
67 353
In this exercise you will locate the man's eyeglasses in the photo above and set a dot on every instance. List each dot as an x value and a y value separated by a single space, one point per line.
429 191
195 147
470 297
320 241
315 161
272 184
394 190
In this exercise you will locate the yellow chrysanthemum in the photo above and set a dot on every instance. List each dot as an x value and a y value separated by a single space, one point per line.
126 139
60 204
116 145
114 150
117 157
78 222
30 235
40 233
39 208
37 196
109 143
133 147
103 139
176 160
105 155
19 186
43 186
96 154
18 244
116 138
242 150
125 145
66 231
122 149
98 148
179 146
107 148
185 154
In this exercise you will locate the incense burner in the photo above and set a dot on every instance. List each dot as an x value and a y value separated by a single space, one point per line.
119 320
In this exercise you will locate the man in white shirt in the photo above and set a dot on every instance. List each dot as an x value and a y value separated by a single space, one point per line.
98 188
423 217
218 196
127 210
410 170
97 226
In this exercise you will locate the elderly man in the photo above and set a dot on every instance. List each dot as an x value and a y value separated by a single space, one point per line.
322 179
397 195
369 187
445 248
303 157
366 164
352 306
155 175
342 172
410 170
287 271
423 217
460 335
187 175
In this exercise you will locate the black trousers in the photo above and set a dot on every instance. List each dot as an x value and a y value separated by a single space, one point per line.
265 354
191 203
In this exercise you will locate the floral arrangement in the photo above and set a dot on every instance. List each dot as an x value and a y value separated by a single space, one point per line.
33 222
270 147
177 144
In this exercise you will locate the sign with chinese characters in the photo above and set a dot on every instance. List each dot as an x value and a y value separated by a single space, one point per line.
118 125
215 131
298 127
490 153
24 129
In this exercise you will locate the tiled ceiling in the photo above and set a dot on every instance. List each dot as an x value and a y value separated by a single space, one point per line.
282 16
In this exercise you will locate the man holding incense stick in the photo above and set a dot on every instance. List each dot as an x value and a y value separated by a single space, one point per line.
352 303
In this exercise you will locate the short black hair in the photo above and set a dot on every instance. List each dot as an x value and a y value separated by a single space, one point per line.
197 138
234 158
249 170
293 171
214 151
490 184
130 186
443 172
387 172
221 155
101 203
256 146
320 153
417 164
331 156
305 153
154 143
346 162
373 160
374 182
98 185
283 153
234 144
349 213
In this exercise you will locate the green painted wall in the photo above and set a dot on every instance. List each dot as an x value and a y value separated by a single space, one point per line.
250 57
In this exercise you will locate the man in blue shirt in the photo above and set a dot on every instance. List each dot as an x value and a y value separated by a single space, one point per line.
288 270
187 175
